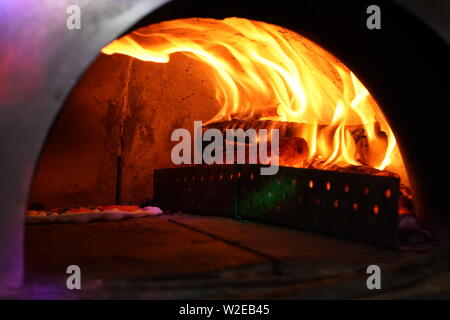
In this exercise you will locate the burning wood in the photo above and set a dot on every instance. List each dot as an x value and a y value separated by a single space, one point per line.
293 134
355 169
261 71
294 151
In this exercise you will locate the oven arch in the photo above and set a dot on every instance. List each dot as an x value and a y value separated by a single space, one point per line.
26 118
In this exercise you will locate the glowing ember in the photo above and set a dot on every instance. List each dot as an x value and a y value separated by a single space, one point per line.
265 72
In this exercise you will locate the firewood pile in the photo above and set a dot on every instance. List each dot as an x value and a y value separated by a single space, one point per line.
294 149
294 152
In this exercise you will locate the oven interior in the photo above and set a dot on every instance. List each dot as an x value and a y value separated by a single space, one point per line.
226 231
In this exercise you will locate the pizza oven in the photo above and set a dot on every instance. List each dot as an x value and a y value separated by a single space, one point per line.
142 110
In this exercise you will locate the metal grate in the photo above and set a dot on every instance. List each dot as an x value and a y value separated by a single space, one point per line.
350 206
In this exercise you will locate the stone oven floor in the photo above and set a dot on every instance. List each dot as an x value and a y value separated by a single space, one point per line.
181 256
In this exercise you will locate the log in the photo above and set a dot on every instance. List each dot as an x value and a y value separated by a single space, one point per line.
366 156
287 129
269 112
293 152
355 169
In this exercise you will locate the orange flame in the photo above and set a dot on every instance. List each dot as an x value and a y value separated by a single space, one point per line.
258 66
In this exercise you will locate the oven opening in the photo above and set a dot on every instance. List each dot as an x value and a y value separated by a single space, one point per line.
235 76
154 167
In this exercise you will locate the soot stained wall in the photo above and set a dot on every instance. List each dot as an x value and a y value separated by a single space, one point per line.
125 108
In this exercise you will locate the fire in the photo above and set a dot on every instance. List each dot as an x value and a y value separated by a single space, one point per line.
266 72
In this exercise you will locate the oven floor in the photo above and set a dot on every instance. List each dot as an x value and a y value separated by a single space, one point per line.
181 256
